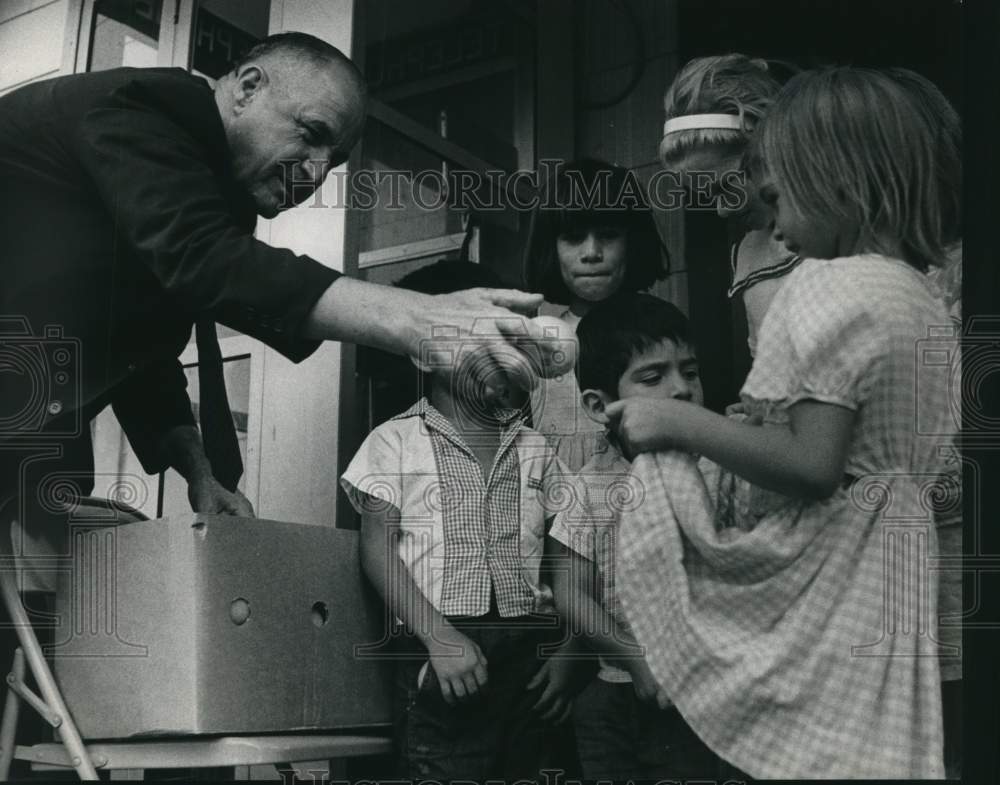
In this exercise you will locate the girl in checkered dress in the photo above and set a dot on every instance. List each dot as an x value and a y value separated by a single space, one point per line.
798 636
712 108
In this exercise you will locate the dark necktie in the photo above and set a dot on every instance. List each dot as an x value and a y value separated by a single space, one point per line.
218 432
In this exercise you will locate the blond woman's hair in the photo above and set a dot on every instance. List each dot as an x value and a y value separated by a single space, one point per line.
724 84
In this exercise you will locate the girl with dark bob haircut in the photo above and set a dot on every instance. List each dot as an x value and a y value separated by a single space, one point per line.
592 236
589 194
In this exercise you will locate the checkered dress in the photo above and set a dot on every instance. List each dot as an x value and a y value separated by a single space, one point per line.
463 537
947 281
797 638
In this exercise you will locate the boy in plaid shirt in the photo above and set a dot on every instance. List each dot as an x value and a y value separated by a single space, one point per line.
626 727
454 495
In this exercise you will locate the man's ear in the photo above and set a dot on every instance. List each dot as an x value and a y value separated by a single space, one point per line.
594 402
249 81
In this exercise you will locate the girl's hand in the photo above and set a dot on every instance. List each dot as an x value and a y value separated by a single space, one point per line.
736 408
645 686
556 680
740 412
648 424
460 665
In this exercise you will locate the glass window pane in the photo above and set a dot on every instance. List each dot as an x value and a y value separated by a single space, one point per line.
224 30
125 33
454 68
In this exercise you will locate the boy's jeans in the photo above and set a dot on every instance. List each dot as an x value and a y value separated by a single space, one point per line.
493 735
621 738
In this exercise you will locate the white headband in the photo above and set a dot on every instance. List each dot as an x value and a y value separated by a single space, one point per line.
691 121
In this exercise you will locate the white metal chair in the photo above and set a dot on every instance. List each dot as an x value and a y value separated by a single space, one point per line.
125 759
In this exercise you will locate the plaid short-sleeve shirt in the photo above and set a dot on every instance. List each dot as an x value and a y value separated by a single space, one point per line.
588 527
463 536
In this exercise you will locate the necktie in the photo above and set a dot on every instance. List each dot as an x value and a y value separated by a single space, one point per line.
218 432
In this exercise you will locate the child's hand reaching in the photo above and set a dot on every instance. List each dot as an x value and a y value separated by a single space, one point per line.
460 665
736 408
556 680
648 424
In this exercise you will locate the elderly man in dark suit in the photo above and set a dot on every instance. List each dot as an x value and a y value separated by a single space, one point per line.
128 200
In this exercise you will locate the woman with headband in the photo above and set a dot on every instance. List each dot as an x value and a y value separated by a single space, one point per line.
712 108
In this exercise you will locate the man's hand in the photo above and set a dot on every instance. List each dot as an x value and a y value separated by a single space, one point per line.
410 323
523 303
186 454
460 665
485 338
207 495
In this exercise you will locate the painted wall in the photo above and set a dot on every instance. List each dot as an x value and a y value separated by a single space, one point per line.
298 469
34 40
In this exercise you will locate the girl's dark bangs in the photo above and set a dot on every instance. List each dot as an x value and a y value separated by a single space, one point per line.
571 220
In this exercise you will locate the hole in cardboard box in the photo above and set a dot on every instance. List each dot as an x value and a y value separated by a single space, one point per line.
239 611
320 614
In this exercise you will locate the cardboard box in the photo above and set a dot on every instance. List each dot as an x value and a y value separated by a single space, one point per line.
207 624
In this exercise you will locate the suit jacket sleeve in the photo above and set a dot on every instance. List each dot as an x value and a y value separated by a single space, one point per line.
148 405
157 156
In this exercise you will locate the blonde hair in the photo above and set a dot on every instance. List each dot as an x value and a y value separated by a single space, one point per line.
878 149
725 84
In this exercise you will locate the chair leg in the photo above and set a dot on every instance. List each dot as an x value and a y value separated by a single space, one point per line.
43 676
11 710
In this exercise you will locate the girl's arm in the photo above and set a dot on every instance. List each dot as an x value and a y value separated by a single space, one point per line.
805 458
459 663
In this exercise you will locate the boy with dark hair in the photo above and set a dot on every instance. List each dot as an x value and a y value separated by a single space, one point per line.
454 495
626 728
613 338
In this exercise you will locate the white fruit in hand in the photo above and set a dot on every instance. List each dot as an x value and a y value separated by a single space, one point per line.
551 345
558 346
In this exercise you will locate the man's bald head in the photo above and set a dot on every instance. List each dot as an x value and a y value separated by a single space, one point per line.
301 52
293 107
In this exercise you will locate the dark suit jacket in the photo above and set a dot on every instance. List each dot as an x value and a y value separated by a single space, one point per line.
120 223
